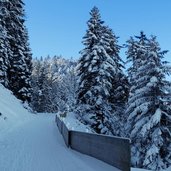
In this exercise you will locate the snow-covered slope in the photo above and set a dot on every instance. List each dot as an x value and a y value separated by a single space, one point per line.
12 112
31 142
73 124
38 146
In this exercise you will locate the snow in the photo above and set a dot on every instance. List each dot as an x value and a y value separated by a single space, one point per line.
33 142
30 142
37 145
73 123
136 169
152 82
169 169
12 112
153 79
154 120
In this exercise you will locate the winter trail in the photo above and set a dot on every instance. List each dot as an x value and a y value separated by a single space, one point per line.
36 145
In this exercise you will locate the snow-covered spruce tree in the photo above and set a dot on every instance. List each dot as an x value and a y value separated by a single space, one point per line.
28 60
4 46
4 63
120 86
95 74
19 70
149 118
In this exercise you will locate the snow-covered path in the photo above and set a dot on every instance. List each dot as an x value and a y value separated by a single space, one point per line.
36 145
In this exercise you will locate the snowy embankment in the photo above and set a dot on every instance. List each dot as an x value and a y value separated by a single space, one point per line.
12 112
37 145
31 142
73 124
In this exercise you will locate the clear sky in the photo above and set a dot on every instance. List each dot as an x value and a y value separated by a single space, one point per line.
56 27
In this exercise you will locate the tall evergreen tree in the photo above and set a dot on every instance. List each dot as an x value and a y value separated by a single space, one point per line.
4 46
149 118
28 61
120 86
35 81
3 58
19 56
94 72
102 84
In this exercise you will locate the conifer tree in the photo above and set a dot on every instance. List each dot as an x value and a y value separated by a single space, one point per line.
120 86
94 72
4 46
3 58
28 61
17 47
102 85
149 115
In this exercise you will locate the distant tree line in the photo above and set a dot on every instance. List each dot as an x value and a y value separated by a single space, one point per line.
54 84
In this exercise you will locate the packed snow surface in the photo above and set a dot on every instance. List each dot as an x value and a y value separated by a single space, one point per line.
37 145
30 142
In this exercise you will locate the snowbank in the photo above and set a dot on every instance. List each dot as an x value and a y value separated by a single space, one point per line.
13 115
73 123
12 112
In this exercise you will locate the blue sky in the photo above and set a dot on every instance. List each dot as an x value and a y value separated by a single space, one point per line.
56 27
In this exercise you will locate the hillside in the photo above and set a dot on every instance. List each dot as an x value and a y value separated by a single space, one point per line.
33 142
12 112
32 139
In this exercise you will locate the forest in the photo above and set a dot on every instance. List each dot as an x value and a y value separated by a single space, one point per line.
104 94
